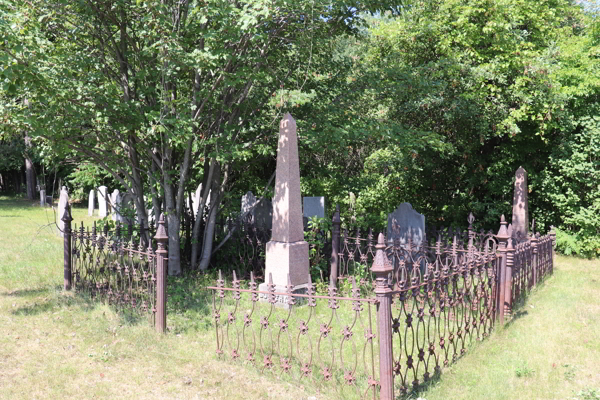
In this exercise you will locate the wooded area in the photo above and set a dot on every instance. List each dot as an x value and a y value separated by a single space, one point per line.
433 102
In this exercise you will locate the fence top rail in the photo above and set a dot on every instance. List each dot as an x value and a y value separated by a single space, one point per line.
311 296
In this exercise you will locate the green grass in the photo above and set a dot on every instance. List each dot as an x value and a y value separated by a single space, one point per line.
55 344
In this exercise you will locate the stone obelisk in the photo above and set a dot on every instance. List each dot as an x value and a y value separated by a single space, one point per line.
520 214
287 252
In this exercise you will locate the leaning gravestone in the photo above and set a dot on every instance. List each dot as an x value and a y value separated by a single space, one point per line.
102 200
62 202
520 216
405 222
115 201
128 203
287 251
91 202
42 198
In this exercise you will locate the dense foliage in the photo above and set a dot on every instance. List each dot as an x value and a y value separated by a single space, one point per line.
434 102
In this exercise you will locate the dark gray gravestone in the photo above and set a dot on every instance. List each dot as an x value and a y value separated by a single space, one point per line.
520 216
263 214
314 207
403 222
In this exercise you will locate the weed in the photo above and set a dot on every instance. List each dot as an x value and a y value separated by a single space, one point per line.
524 371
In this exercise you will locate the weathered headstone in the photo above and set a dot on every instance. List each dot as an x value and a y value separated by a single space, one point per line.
314 207
62 202
42 198
248 201
91 202
263 214
287 251
405 222
127 202
115 201
102 200
520 216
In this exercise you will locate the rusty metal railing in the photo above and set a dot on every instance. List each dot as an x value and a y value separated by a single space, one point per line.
112 267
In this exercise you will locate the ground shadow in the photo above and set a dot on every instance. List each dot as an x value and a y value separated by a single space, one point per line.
31 292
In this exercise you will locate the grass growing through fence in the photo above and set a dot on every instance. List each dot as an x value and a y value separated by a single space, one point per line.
56 345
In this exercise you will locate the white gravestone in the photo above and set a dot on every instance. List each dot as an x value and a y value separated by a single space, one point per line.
91 202
62 202
115 201
102 200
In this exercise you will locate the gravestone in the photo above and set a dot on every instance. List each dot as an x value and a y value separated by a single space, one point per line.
129 203
405 222
520 216
287 251
196 200
102 200
42 198
313 207
62 202
115 201
263 214
248 201
91 202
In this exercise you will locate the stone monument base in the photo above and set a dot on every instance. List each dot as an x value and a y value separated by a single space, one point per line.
281 301
283 259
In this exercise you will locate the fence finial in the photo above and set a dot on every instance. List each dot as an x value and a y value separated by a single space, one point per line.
161 232
67 218
381 262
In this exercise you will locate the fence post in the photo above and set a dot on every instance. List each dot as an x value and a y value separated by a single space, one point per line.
335 246
67 218
510 262
161 278
535 237
382 268
503 238
553 236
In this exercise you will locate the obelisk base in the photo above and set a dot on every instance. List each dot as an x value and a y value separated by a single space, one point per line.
283 260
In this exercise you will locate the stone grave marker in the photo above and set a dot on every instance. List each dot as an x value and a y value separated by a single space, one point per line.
248 201
313 207
520 215
129 203
62 202
115 201
42 198
403 222
102 200
91 202
287 251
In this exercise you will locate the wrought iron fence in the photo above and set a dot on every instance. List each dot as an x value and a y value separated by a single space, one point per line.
432 301
117 267
321 338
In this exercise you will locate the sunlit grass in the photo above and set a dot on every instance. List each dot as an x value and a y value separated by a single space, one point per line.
55 344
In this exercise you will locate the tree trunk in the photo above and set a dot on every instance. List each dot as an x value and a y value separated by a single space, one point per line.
206 188
209 229
29 170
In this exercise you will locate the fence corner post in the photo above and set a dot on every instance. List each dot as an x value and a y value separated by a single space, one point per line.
161 278
67 218
503 238
382 268
335 246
